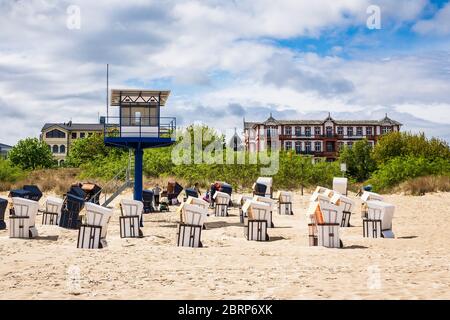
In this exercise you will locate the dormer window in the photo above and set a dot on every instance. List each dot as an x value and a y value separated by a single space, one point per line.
56 134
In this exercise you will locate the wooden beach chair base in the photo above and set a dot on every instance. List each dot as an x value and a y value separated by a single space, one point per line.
256 230
70 220
221 210
189 236
49 218
373 229
328 235
19 227
242 215
89 237
312 234
346 219
130 227
285 208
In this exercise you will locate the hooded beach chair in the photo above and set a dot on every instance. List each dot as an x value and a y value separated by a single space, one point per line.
20 193
192 220
378 223
3 207
268 182
284 202
259 189
259 218
131 218
340 185
320 197
347 204
92 233
241 201
147 199
76 190
272 205
324 224
191 192
221 203
368 196
52 211
197 202
173 191
34 193
92 192
70 213
22 222
320 190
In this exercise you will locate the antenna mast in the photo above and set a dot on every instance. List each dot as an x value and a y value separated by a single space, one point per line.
107 93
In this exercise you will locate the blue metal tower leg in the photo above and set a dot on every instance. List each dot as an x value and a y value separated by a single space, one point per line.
138 155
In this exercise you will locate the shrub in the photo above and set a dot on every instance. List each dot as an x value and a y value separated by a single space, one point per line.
32 154
403 168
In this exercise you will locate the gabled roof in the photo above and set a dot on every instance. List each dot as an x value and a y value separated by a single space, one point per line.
75 126
127 96
5 146
386 121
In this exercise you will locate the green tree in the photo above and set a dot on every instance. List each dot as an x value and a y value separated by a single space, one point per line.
89 149
359 160
31 153
404 144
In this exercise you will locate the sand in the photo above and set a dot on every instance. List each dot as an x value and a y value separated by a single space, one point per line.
415 265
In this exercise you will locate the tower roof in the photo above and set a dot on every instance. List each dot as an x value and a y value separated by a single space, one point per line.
138 97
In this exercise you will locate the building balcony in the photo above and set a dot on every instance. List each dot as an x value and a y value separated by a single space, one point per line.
146 131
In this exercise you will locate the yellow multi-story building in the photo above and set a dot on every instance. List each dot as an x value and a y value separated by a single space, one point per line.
60 136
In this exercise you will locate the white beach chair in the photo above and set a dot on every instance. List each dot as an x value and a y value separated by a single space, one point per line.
92 234
192 220
131 218
198 202
272 205
379 220
22 222
320 197
340 185
52 211
241 201
368 196
284 202
347 204
325 221
221 202
268 182
259 218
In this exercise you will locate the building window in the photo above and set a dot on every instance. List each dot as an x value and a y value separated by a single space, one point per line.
74 135
385 130
350 144
55 133
90 134
298 147
349 131
82 135
317 131
368 131
359 131
298 131
308 131
55 149
330 146
340 130
62 149
288 145
340 145
329 131
308 146
288 131
318 146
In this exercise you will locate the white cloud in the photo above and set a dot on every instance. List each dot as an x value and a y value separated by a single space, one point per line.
439 25
227 48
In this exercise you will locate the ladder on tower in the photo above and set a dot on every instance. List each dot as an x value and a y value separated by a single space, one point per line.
118 184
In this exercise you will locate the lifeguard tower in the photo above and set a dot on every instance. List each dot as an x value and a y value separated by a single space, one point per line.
139 126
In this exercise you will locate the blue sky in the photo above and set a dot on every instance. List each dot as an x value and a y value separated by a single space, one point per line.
226 60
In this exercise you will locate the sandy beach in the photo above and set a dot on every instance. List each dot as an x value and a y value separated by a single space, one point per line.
415 265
